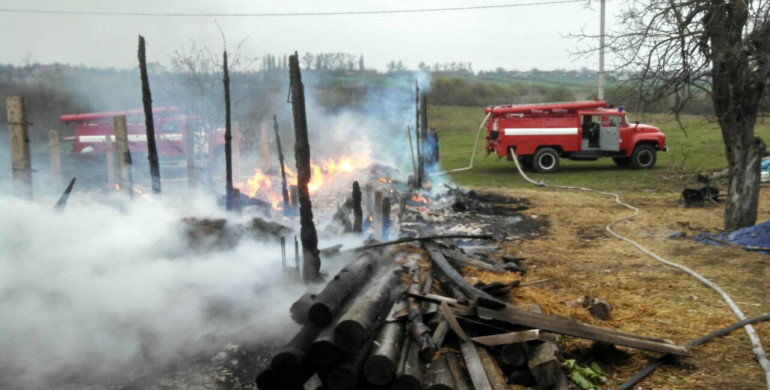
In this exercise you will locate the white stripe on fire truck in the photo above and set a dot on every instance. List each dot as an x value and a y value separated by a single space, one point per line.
131 138
542 131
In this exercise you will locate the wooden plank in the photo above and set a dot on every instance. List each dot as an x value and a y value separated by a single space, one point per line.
452 321
494 373
508 338
481 298
574 328
125 179
475 367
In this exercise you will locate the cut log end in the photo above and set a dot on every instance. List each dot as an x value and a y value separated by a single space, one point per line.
349 336
406 383
320 315
324 354
341 378
379 370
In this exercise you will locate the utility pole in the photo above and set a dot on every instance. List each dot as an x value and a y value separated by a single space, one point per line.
601 52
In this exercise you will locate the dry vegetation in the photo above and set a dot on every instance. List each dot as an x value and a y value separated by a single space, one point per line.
580 258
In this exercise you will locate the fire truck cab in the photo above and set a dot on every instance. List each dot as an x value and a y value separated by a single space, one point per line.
541 134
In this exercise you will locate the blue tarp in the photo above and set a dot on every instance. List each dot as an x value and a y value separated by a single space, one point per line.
766 165
756 236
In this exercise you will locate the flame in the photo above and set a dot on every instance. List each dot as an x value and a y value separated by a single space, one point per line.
260 185
417 198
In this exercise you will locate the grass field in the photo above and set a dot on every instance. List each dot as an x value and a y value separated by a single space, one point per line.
697 148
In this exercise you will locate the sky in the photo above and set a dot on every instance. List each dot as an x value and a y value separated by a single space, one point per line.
521 38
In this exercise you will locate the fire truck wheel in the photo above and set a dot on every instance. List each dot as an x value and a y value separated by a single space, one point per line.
644 157
622 161
546 160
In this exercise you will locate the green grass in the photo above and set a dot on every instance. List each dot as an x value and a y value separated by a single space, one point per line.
700 149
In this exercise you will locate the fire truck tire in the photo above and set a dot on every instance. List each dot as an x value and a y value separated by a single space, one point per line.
622 161
546 160
644 157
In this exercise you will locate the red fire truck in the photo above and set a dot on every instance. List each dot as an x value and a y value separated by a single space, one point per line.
171 128
541 134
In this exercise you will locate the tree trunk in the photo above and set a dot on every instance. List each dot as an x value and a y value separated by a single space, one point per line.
358 213
311 263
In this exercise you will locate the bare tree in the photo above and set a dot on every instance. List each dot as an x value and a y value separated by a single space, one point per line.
721 48
307 59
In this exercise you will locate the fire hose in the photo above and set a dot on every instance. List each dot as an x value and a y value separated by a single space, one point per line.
756 343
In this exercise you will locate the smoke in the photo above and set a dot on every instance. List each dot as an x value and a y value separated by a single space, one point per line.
100 291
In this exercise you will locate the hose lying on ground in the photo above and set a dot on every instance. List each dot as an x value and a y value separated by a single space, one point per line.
756 343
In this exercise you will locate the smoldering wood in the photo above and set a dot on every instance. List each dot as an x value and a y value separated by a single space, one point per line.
358 323
311 264
53 143
62 203
21 161
477 296
411 370
346 375
300 307
508 338
452 321
423 135
228 136
463 259
458 374
125 176
411 149
438 375
149 122
284 188
515 354
417 122
358 214
380 367
492 369
323 352
345 283
420 332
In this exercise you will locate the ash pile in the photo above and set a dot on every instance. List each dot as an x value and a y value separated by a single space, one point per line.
407 314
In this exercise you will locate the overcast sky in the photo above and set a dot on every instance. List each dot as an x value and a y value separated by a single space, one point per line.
514 38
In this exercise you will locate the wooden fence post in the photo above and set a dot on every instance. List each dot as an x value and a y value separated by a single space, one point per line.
53 143
125 179
21 162
152 148
109 154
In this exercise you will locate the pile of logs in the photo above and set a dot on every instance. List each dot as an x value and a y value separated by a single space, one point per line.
407 319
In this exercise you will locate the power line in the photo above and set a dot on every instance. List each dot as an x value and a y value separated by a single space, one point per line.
259 15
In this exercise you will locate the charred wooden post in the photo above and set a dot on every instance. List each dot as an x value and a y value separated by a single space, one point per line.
311 258
346 282
323 352
377 215
380 367
492 369
109 154
438 375
53 143
458 374
423 135
356 325
149 122
417 132
347 374
189 147
358 213
294 198
411 149
411 370
228 136
284 188
21 161
385 218
62 203
417 328
125 176
545 367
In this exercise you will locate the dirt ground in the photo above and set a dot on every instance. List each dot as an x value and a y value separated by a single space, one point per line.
577 257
